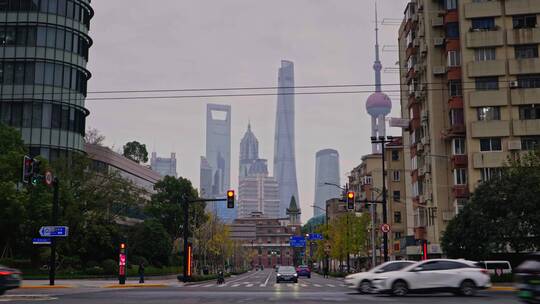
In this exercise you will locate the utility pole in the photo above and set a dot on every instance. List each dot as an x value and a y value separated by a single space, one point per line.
186 236
52 260
373 246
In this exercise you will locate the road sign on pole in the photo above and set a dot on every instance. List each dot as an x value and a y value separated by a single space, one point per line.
385 228
315 237
48 178
297 241
54 231
41 241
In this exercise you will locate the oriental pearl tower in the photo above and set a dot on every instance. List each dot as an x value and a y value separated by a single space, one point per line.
378 104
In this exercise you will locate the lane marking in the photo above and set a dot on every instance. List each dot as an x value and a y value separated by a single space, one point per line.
330 285
240 277
303 285
317 285
208 285
249 285
262 285
267 279
235 285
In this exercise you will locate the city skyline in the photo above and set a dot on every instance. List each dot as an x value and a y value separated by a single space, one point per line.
251 48
326 173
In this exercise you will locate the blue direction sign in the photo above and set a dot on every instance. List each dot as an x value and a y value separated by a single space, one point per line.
297 241
41 241
315 237
54 231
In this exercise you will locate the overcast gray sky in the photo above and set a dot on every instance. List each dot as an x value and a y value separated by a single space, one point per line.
174 44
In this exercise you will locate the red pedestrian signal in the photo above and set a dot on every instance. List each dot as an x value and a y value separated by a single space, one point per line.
230 199
350 200
28 169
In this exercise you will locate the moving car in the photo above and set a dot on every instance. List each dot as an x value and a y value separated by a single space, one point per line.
528 279
438 275
496 268
362 281
303 271
286 274
9 279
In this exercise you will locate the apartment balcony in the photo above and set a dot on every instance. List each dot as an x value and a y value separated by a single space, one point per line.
455 102
491 128
525 96
459 161
524 66
488 98
415 123
486 68
526 127
485 38
411 50
520 7
523 36
460 191
451 16
483 9
452 44
455 130
491 159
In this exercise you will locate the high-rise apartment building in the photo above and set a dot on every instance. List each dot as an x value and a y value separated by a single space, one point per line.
284 150
326 179
257 191
471 77
218 158
43 75
163 165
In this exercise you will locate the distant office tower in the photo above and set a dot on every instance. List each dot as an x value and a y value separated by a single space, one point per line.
326 171
284 159
258 192
43 75
205 187
164 166
218 157
249 152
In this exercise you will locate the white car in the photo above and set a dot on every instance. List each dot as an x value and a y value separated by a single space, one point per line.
362 281
438 275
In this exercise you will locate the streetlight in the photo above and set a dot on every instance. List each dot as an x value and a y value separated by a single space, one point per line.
383 141
326 220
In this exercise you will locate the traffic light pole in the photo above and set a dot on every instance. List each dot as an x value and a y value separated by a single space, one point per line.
385 211
52 259
185 203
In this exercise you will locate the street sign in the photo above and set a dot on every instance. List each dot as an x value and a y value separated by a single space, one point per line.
48 178
315 237
385 228
297 241
54 231
41 241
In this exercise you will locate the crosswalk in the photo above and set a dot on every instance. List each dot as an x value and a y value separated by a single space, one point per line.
268 284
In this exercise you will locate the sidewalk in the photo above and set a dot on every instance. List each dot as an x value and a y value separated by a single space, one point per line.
100 283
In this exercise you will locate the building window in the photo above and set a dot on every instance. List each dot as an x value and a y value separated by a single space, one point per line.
527 112
454 58
451 4
488 113
456 117
397 217
524 21
396 196
530 143
452 30
528 81
395 176
395 155
487 83
460 176
458 146
455 88
484 54
526 51
483 24
397 236
489 173
490 144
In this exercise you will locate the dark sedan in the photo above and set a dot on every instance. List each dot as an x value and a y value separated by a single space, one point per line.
286 274
9 279
303 271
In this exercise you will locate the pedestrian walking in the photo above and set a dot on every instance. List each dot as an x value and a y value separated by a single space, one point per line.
141 272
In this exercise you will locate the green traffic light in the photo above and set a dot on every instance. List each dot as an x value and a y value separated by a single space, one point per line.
34 180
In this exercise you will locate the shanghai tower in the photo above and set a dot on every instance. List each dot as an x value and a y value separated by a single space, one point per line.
284 159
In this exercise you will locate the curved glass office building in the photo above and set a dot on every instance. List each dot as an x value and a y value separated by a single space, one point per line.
43 55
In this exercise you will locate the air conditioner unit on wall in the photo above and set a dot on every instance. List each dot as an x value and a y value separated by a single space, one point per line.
514 145
439 70
438 41
437 21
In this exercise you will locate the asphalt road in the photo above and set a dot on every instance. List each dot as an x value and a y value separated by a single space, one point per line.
253 287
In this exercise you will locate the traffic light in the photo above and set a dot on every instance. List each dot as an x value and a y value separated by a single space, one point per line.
122 263
350 200
27 169
230 199
36 170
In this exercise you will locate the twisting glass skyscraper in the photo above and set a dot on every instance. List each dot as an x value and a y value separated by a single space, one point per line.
43 75
284 159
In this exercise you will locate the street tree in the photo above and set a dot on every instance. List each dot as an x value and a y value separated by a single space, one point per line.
136 151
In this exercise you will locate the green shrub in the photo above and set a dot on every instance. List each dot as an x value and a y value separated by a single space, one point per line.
92 264
72 262
137 259
109 266
14 263
96 270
